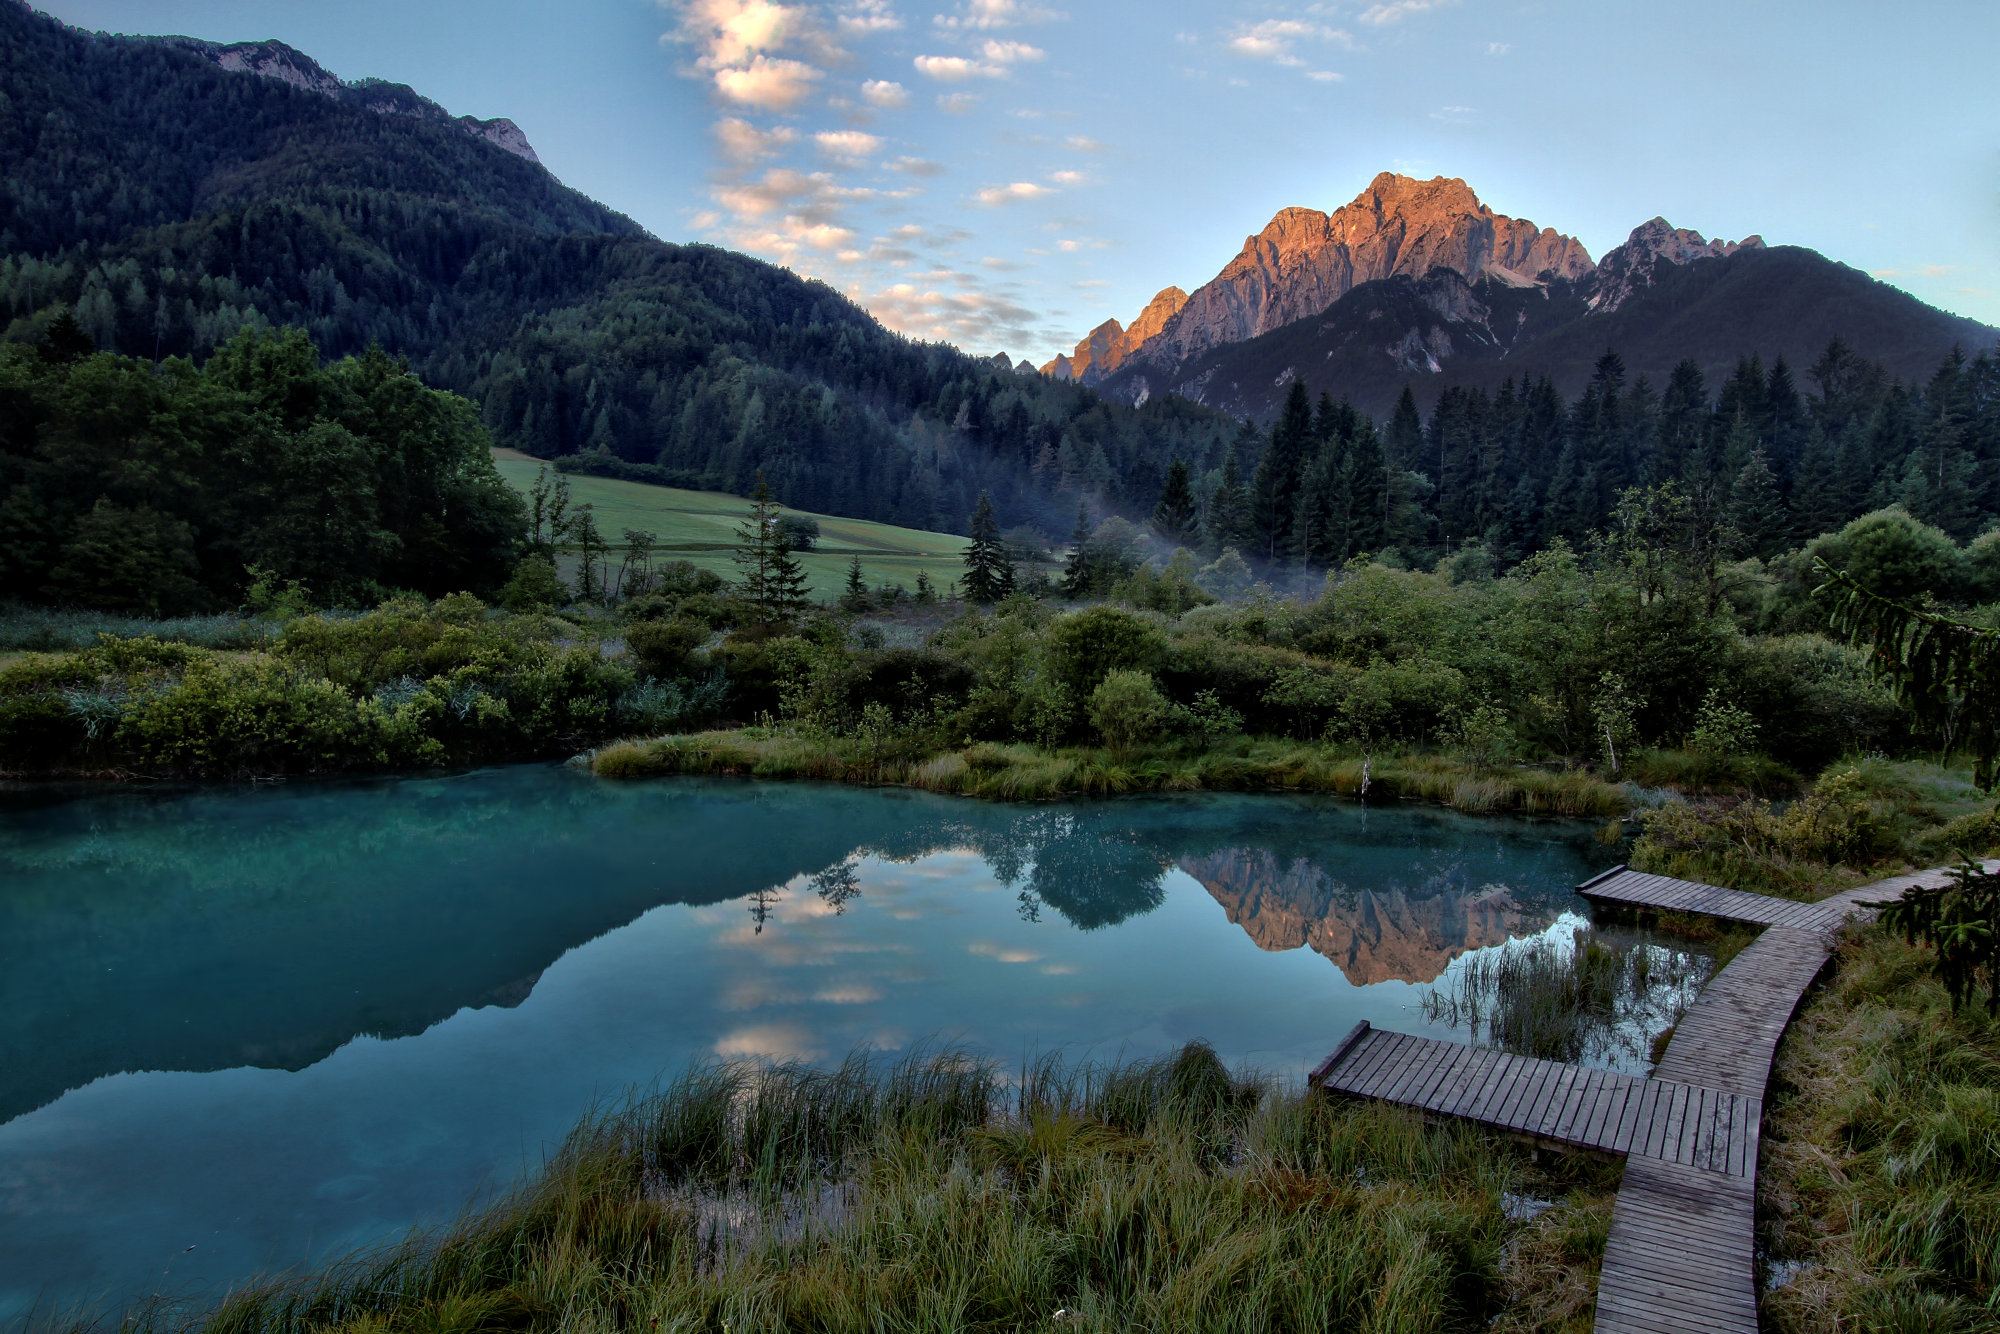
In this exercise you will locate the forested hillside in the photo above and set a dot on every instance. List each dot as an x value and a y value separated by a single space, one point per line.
1755 466
170 201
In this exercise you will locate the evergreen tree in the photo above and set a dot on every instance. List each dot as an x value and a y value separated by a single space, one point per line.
989 575
774 584
1757 511
1175 518
1076 568
1368 492
855 596
926 590
1228 509
1273 490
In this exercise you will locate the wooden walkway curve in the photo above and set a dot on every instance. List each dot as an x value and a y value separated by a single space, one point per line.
1681 1255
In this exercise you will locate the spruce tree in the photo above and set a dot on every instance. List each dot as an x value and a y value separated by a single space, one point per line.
855 597
774 584
1757 511
1175 517
1076 569
1227 508
1274 489
989 575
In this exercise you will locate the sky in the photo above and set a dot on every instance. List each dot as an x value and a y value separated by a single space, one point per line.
1005 175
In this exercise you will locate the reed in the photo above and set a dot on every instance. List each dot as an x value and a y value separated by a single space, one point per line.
940 1193
1022 772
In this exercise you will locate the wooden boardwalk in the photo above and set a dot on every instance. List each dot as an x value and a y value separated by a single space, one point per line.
1681 1255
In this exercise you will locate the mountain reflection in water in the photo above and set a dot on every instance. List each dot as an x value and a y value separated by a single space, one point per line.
1406 932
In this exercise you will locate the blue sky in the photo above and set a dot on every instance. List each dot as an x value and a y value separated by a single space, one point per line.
1005 174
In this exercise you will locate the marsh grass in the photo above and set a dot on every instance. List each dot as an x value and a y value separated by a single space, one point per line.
1880 1193
942 1193
1592 997
1030 773
55 630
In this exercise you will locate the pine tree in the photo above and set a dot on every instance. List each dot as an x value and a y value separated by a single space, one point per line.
1227 509
989 575
855 597
1274 489
1175 517
1076 569
1757 512
774 584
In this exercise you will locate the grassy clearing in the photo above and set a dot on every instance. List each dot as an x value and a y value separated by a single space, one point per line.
1880 1194
700 527
937 1195
1032 773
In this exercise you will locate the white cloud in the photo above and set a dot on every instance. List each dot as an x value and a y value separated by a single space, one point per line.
917 166
1007 194
1083 144
1498 48
849 145
731 31
768 83
985 14
866 16
1395 11
1009 53
743 142
956 104
1324 76
1274 39
956 69
1067 177
885 93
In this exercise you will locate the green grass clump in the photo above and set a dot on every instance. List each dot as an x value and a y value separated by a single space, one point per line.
1022 772
936 1194
58 630
1881 1179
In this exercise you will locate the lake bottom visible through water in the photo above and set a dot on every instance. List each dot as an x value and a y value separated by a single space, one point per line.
246 1030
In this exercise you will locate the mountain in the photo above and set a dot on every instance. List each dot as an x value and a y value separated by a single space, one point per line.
1111 344
170 190
1418 283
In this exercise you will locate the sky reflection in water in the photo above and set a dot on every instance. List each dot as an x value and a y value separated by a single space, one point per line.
356 1006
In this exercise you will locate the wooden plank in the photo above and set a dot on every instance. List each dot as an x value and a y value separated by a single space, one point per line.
1345 1045
1359 1072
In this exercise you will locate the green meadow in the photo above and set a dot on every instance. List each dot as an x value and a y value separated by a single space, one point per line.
700 526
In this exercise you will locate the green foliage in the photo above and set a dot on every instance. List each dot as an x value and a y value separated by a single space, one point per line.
1748 845
163 490
1722 729
665 648
1960 921
1127 708
1945 670
534 586
989 574
1086 646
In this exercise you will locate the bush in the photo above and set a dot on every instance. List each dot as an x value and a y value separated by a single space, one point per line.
665 648
1127 708
535 586
1086 646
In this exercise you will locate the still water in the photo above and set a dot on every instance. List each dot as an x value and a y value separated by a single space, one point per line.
244 1029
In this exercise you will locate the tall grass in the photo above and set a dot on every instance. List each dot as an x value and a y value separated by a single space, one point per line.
1881 1188
1031 773
52 630
940 1194
1593 997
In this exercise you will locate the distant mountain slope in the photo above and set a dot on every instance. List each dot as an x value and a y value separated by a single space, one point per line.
1664 296
169 190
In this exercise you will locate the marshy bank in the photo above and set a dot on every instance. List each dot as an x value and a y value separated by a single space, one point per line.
944 1193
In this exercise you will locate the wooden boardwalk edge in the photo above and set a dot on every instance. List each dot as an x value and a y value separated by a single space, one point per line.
1681 1254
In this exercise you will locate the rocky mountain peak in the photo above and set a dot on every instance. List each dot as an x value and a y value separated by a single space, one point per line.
1304 260
1628 267
275 60
1108 346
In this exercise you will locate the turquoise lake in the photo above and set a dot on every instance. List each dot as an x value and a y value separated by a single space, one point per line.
243 1029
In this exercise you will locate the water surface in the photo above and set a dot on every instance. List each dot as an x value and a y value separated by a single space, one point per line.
244 1029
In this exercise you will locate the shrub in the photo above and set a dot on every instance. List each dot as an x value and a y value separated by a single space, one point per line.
664 648
535 586
1086 646
1127 708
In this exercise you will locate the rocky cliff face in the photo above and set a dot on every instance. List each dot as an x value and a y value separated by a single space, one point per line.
1371 936
1627 268
275 60
1305 260
1108 346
